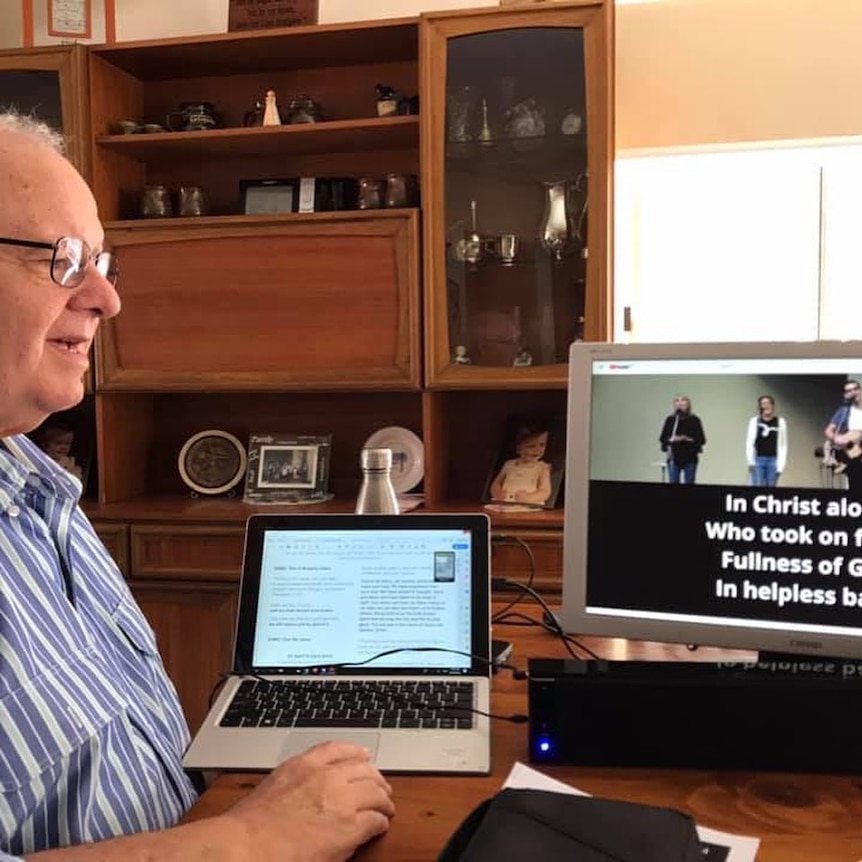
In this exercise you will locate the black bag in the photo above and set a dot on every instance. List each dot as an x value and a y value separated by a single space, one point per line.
559 827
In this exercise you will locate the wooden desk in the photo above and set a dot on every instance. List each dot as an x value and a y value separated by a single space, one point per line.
799 817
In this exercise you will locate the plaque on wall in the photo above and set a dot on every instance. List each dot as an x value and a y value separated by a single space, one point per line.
258 14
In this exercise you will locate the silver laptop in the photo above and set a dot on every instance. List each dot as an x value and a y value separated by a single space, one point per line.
369 628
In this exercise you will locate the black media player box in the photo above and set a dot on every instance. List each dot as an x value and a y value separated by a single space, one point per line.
793 714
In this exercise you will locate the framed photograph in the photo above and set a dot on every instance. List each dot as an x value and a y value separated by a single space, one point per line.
528 471
288 468
68 438
268 197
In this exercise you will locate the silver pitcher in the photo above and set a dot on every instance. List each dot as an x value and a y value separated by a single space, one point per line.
565 214
556 229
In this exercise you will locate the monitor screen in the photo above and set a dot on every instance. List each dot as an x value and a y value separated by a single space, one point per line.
714 495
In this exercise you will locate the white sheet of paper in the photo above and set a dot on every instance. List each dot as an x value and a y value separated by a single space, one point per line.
742 848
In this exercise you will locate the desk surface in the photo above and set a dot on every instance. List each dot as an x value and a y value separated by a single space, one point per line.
798 817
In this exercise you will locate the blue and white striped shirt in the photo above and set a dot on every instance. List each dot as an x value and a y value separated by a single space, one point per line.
91 731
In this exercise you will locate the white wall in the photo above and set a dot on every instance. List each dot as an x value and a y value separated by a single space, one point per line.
692 72
10 24
151 19
157 19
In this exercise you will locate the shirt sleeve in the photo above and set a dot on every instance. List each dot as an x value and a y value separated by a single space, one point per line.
700 437
664 436
782 445
750 435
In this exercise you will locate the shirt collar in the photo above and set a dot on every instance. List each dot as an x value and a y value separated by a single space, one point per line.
23 462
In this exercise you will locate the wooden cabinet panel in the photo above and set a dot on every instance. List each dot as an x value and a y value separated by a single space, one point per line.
194 626
514 553
203 553
313 301
116 540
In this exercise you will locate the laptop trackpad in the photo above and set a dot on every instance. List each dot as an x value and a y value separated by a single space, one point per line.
298 741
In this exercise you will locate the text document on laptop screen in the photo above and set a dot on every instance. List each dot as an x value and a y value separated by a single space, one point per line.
328 597
723 560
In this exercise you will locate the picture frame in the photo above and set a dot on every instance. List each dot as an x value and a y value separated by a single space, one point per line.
246 15
68 438
47 23
269 196
70 19
288 468
528 471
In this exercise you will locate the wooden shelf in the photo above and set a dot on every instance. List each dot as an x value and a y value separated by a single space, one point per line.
516 153
172 224
177 509
264 51
333 136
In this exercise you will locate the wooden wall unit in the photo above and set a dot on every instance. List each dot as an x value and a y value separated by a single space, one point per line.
306 323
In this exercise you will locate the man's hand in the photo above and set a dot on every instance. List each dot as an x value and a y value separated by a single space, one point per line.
316 807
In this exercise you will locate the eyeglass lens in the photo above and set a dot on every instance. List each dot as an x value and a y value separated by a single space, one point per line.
71 258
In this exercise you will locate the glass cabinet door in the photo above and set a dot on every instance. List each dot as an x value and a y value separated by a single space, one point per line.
516 160
50 84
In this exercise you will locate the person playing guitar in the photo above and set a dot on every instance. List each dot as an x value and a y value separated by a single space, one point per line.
844 428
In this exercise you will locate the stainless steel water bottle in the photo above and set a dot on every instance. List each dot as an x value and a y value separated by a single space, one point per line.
376 496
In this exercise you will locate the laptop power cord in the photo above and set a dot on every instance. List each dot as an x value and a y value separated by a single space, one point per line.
549 619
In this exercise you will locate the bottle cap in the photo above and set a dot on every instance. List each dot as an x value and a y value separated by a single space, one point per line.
376 459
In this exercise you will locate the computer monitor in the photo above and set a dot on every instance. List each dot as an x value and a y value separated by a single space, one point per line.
721 561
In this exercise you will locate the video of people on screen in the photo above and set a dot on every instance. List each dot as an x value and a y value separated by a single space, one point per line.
738 495
801 431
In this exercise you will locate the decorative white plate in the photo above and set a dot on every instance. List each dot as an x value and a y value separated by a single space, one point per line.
212 462
408 455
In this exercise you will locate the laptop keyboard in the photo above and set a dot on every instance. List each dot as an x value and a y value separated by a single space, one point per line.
345 703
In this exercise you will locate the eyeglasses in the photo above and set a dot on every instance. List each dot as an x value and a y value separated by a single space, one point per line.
70 258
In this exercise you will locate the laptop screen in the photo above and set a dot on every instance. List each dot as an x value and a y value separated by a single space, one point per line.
364 594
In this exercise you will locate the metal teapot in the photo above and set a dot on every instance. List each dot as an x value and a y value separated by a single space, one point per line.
191 117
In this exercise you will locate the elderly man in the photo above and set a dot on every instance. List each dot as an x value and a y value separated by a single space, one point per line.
91 733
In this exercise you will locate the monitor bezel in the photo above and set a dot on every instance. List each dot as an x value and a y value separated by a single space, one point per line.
573 615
